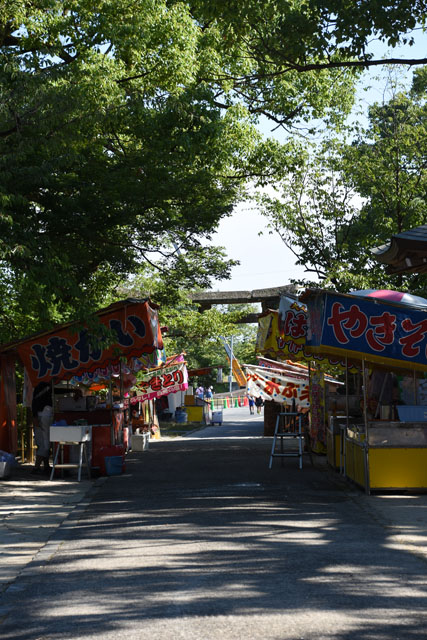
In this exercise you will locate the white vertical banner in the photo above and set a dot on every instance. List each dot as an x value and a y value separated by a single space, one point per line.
271 385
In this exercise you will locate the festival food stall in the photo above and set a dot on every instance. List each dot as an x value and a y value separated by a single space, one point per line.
282 341
155 384
69 356
386 446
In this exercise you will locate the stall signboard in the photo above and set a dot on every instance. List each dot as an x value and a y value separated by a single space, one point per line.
283 335
102 374
272 385
154 384
284 331
65 352
389 334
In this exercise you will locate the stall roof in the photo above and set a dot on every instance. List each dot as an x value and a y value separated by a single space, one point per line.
291 369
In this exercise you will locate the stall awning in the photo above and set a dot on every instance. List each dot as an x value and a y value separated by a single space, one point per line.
66 350
282 335
389 334
277 385
296 369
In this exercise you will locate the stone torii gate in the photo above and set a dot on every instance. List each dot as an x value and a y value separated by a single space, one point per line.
269 299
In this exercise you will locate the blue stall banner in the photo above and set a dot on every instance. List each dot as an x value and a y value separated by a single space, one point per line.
367 328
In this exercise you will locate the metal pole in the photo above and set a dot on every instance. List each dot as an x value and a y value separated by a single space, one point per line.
231 366
365 398
343 432
110 394
310 399
366 443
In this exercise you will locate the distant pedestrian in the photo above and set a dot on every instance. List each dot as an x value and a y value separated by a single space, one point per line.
251 405
200 392
259 403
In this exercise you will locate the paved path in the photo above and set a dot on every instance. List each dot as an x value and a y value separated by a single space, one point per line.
238 423
200 540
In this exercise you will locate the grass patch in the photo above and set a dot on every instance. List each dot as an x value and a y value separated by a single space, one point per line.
176 429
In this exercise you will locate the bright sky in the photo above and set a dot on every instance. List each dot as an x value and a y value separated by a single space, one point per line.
264 260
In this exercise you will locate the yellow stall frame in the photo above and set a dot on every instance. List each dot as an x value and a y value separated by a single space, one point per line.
397 468
389 459
194 414
333 448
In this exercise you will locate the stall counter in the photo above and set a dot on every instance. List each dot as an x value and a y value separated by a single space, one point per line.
393 456
104 434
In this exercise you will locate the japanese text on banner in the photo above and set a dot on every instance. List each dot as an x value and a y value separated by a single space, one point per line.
273 386
160 383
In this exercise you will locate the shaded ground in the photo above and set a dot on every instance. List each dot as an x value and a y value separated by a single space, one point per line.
200 540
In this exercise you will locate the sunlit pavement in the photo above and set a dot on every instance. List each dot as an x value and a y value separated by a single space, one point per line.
237 423
200 540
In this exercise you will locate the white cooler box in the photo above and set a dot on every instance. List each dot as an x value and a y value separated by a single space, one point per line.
140 441
71 433
216 417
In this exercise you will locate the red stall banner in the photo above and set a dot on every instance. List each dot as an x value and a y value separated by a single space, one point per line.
160 382
64 353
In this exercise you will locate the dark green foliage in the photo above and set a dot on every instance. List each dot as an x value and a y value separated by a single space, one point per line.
345 198
127 131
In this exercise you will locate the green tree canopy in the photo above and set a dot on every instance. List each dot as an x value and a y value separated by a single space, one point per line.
344 198
101 173
191 331
127 130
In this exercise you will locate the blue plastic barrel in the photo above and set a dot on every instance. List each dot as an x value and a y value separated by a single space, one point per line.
180 415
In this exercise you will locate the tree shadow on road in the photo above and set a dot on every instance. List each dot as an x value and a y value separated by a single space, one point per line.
204 541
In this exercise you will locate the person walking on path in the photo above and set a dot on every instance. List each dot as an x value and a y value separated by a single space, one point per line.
251 405
42 417
200 392
259 403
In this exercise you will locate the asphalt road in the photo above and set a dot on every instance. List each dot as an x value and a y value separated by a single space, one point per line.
200 540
